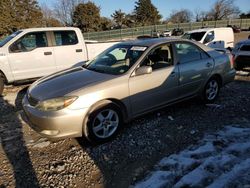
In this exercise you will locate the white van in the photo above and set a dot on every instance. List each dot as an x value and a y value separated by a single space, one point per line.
212 37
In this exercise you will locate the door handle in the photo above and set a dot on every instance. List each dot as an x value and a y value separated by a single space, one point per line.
172 74
209 64
47 53
78 50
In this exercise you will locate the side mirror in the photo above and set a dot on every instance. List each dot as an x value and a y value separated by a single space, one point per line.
143 70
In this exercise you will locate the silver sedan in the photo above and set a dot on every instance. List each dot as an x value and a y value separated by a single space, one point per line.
125 81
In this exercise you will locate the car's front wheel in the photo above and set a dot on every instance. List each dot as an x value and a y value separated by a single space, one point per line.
211 90
103 123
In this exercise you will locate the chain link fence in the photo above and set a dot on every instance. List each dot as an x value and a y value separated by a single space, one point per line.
128 33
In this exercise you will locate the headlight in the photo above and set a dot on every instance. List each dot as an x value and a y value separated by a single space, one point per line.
55 104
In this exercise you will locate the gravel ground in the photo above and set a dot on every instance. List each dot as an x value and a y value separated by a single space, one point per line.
27 160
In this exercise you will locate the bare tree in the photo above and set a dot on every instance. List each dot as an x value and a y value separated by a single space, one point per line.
64 10
47 12
49 18
200 15
223 9
180 16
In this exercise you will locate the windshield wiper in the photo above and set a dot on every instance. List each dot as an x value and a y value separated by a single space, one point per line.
95 69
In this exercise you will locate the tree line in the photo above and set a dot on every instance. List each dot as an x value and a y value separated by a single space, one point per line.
17 14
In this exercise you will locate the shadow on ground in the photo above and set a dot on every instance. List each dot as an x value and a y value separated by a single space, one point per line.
13 144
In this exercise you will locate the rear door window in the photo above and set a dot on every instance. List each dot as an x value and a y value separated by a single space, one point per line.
65 38
188 52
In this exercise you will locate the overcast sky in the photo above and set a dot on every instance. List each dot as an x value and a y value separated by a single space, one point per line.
164 6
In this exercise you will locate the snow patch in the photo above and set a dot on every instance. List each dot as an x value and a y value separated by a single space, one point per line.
218 160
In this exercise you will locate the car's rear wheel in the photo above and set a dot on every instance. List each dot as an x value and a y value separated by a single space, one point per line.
103 123
1 84
211 90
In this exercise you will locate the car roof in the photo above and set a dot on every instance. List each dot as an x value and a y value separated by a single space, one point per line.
151 41
245 42
208 29
159 41
48 29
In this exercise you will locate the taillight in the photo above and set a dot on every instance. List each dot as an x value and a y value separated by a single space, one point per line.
231 57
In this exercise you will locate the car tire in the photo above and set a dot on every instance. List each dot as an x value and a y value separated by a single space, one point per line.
103 124
211 90
1 84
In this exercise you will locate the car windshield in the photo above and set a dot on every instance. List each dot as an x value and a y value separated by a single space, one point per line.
117 59
197 36
8 38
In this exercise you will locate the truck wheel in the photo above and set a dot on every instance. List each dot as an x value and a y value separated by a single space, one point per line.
103 123
1 84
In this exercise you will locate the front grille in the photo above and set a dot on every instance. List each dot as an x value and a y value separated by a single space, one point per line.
32 100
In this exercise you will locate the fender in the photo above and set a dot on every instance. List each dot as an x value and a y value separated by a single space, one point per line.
5 68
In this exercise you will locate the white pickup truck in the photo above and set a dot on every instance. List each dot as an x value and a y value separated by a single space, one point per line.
32 53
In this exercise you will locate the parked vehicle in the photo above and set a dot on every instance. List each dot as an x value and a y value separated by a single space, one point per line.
126 81
236 29
241 55
32 53
143 37
166 33
155 34
212 37
177 32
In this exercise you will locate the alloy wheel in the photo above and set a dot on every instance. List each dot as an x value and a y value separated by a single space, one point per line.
105 123
212 90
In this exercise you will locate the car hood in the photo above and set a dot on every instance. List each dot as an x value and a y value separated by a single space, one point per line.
64 82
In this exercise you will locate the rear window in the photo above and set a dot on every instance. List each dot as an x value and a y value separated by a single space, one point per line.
245 48
65 38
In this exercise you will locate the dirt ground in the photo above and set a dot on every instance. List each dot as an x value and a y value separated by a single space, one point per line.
28 160
241 36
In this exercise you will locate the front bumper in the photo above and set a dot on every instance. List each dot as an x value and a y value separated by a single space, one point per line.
57 124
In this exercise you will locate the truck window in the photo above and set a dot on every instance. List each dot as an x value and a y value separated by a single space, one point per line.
29 42
65 38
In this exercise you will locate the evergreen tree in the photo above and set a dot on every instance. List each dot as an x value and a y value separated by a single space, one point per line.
146 13
18 14
106 24
6 17
87 17
119 18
